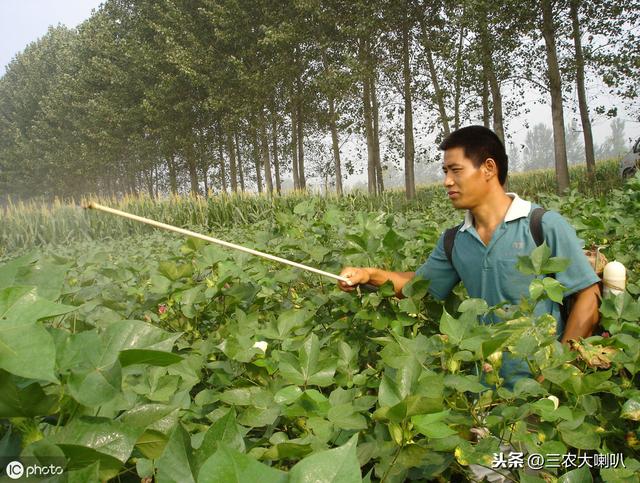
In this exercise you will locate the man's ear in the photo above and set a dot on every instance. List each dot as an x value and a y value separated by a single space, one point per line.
490 168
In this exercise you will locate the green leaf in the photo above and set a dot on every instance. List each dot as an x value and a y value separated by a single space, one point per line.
528 387
584 437
475 306
256 417
556 265
152 444
455 329
95 373
409 406
525 266
150 357
307 369
626 474
26 348
159 284
26 401
493 344
145 415
579 475
431 425
9 270
230 466
287 395
344 416
242 396
134 334
175 464
392 240
224 430
338 465
388 393
46 276
88 474
408 306
536 289
292 319
416 288
553 288
539 256
464 383
173 271
86 440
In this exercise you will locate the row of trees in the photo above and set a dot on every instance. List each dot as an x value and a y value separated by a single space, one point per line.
221 95
538 152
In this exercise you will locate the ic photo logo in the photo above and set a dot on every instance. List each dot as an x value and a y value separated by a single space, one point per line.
16 470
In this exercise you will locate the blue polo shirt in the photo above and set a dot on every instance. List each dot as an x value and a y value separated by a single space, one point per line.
489 271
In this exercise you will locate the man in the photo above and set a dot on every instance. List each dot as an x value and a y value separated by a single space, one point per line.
487 245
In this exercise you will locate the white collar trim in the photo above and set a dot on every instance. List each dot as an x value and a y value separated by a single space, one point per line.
519 208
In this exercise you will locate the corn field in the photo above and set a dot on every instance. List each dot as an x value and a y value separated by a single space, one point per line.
26 225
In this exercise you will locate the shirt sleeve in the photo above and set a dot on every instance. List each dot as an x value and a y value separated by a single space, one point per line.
439 271
563 241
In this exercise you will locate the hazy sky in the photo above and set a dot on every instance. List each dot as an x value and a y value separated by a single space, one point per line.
23 21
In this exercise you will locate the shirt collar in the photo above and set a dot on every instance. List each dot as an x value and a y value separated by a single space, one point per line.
519 208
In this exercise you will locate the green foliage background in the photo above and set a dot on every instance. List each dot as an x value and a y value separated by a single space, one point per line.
137 357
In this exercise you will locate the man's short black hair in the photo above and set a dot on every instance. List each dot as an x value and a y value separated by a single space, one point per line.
479 144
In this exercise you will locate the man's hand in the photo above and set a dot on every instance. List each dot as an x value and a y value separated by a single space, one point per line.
356 276
374 276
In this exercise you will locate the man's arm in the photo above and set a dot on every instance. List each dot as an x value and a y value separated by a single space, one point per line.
584 314
374 276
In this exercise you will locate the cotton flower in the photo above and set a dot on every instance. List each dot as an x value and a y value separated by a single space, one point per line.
555 401
262 345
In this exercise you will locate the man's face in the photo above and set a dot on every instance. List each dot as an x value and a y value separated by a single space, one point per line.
466 185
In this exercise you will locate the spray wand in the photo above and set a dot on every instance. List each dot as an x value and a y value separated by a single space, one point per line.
148 221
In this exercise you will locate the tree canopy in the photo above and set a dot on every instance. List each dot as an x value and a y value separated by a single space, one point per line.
209 96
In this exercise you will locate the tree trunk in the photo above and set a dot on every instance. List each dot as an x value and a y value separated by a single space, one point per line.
173 182
256 157
274 138
148 177
437 91
157 178
376 138
368 125
409 150
555 87
192 166
205 176
574 6
496 96
223 175
336 145
486 113
294 145
232 163
300 122
239 156
458 83
266 161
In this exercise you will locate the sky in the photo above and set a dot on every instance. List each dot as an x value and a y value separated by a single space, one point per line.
24 21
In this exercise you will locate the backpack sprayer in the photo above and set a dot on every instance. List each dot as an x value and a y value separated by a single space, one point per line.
148 221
